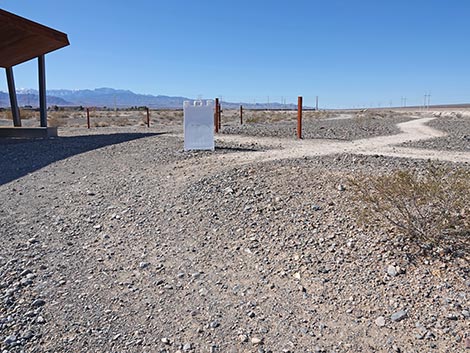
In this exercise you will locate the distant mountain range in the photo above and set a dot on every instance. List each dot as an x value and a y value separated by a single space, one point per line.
109 97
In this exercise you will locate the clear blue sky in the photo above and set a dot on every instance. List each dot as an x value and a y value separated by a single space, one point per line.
350 53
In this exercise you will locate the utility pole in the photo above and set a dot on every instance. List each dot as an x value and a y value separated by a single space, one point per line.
316 103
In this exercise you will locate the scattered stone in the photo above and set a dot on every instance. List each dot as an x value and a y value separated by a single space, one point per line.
214 324
9 340
452 316
392 271
256 340
243 338
399 315
187 347
40 320
28 335
143 265
380 321
38 302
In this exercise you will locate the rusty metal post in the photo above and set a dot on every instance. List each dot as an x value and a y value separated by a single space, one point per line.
148 116
299 118
241 115
216 115
220 116
88 117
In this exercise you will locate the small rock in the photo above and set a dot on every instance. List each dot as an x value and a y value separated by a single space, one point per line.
380 321
40 320
214 324
165 340
399 315
9 340
143 265
392 271
467 343
38 302
341 187
256 340
452 317
187 347
243 338
28 335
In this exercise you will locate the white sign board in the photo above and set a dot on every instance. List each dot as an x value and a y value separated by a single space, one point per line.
198 125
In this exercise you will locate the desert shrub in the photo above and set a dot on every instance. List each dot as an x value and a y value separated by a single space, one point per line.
100 124
24 114
431 209
57 120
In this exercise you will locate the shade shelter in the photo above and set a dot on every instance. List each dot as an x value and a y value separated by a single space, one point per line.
23 40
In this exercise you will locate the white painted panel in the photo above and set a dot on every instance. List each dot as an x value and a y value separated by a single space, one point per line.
199 125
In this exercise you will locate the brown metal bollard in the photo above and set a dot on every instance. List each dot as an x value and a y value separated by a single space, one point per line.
299 118
216 116
88 117
241 115
220 116
148 116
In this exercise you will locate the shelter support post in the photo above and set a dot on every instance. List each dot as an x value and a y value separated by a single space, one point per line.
15 112
42 90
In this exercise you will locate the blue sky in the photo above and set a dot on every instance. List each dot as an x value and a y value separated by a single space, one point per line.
349 53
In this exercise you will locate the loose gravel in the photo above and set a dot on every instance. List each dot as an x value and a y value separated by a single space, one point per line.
121 242
359 125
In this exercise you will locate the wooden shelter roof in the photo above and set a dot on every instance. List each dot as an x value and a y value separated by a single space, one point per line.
22 40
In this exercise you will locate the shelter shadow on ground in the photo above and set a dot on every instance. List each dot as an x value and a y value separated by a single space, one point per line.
21 157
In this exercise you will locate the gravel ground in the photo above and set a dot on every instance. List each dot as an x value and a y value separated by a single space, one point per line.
360 125
122 243
457 126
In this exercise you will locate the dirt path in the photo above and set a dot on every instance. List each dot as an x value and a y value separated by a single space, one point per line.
281 148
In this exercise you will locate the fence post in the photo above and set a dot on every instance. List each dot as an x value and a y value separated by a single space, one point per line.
241 115
88 117
299 118
220 115
148 116
216 115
